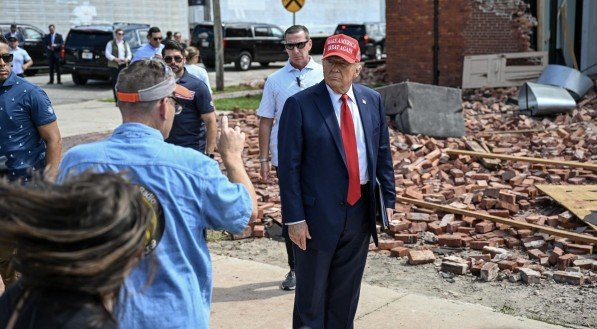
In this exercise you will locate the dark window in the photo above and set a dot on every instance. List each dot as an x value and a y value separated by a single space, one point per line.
31 34
238 32
277 32
204 32
131 37
88 39
351 30
261 31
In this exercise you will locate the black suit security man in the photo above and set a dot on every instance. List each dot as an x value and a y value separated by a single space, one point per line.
53 44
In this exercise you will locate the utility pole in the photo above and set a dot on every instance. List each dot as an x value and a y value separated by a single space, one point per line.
218 45
207 11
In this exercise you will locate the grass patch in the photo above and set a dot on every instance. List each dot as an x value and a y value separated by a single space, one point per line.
229 89
213 236
107 100
249 102
506 309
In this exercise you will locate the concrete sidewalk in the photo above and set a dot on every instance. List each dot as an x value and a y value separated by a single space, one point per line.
246 295
87 117
97 116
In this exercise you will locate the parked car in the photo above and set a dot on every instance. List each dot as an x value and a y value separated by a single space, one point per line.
33 45
84 49
244 43
371 37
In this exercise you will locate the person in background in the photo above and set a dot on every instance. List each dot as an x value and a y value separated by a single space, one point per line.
168 37
196 126
21 60
192 66
178 38
14 32
118 54
76 243
53 43
153 49
300 72
192 191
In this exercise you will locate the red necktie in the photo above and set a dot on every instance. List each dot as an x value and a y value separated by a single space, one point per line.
349 141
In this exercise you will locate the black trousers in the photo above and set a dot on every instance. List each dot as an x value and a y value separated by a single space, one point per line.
328 283
289 244
114 71
54 64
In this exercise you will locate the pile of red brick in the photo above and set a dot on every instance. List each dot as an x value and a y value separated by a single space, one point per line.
424 171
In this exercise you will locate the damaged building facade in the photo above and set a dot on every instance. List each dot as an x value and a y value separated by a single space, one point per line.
428 40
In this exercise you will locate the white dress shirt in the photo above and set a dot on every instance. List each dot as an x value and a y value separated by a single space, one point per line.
278 87
121 50
359 132
358 128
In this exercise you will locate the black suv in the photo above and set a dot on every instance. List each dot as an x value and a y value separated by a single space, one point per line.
33 45
244 43
371 37
84 49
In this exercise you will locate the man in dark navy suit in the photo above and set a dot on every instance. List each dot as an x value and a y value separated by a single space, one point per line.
53 44
333 143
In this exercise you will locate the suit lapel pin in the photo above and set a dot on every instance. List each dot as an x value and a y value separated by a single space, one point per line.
364 101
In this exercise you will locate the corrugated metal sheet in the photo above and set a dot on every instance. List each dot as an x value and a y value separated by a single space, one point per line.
168 15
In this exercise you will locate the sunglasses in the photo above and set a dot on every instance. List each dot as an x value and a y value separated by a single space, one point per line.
157 38
169 59
177 105
298 45
7 58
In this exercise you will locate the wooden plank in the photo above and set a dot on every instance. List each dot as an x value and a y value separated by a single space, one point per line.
518 224
487 163
524 131
574 164
581 200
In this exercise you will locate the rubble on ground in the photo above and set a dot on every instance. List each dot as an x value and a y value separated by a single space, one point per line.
467 245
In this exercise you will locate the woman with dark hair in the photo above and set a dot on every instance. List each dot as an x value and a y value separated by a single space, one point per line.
75 244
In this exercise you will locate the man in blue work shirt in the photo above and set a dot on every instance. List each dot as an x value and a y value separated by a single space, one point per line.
193 194
153 49
29 135
196 126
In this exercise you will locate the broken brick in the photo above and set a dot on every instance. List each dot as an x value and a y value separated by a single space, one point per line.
453 241
565 261
390 244
407 238
484 227
573 278
399 252
489 271
417 257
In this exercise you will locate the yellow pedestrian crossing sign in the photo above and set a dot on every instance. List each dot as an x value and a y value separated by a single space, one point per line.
293 5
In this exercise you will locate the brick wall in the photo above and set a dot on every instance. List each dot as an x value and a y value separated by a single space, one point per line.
466 27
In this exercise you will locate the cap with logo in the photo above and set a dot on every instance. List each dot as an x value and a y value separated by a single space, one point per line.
342 46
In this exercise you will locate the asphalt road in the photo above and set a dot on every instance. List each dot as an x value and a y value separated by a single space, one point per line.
69 93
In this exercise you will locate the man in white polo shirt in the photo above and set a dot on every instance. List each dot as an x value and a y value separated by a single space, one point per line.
300 72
